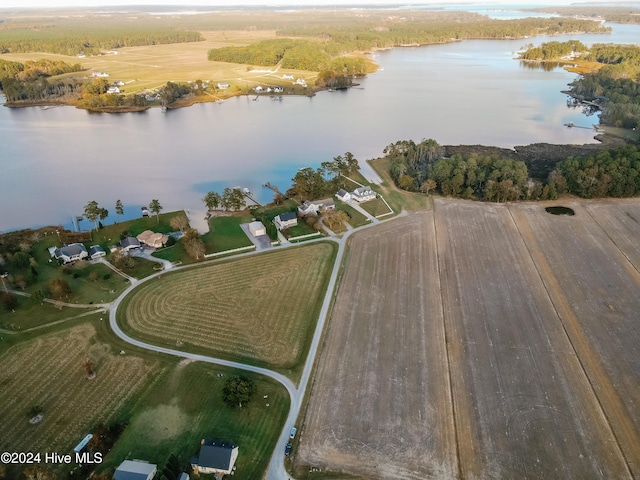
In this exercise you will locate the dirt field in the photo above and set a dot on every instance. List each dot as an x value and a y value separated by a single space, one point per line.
533 373
257 309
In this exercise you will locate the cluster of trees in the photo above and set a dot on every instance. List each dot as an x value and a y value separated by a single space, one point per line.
552 50
193 244
294 54
615 86
29 80
438 28
421 167
72 41
94 96
231 199
608 174
173 91
311 184
238 391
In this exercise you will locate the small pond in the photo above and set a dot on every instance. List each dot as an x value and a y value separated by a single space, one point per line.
560 211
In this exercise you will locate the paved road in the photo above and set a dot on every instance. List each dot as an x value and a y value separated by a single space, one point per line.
276 469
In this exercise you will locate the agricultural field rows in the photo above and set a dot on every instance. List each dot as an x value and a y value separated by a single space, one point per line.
260 309
483 341
48 372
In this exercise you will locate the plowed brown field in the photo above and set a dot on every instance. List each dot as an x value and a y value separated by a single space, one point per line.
484 341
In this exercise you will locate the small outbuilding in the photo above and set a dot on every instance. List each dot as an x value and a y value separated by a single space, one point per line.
257 229
135 470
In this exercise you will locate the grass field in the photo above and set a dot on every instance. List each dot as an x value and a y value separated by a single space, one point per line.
260 309
356 219
168 404
376 207
225 233
48 372
398 199
501 339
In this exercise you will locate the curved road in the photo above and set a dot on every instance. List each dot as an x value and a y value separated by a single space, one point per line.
276 470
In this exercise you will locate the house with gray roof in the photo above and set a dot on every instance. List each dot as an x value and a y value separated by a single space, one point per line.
71 253
215 456
135 470
343 195
129 243
96 251
363 194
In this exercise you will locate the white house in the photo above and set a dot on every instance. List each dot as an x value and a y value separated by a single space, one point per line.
287 76
316 206
71 253
222 85
258 88
96 251
302 82
286 220
257 229
135 470
363 194
129 243
343 195
216 457
113 89
278 89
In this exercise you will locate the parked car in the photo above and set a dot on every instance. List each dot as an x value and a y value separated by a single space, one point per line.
292 433
287 449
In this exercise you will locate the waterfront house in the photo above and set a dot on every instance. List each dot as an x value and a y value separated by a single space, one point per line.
286 220
71 253
363 194
222 85
316 206
152 239
96 251
129 243
343 195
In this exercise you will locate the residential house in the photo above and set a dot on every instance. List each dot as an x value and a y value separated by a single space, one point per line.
278 89
113 89
222 85
71 253
129 243
363 194
257 229
343 195
96 251
258 88
286 220
152 239
287 76
301 81
99 74
135 470
316 206
215 456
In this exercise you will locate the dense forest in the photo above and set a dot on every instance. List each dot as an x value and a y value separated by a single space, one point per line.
422 167
553 50
29 80
67 41
613 14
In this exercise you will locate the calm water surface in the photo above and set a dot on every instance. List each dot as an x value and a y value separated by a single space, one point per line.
54 160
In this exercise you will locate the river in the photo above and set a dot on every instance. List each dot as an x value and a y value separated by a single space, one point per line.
55 160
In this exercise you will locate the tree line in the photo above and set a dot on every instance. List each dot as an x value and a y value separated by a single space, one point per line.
310 184
612 14
422 167
73 41
553 50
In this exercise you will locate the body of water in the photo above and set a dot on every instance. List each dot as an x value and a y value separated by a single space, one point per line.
53 161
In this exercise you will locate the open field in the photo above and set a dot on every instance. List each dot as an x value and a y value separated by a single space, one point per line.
539 326
397 198
47 371
376 207
380 404
260 310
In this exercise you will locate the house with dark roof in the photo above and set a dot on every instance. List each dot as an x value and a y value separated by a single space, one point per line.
135 470
343 195
71 253
316 206
215 456
286 220
129 243
96 251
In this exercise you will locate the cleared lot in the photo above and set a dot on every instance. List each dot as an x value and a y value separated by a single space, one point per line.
542 380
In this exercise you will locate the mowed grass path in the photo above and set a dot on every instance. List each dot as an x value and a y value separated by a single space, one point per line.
48 372
260 309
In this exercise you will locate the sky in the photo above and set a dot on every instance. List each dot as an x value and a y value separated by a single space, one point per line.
96 3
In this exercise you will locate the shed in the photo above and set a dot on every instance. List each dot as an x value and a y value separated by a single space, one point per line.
257 229
135 470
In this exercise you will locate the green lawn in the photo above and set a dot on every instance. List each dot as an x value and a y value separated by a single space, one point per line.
185 405
225 233
111 234
375 207
356 218
397 198
301 229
